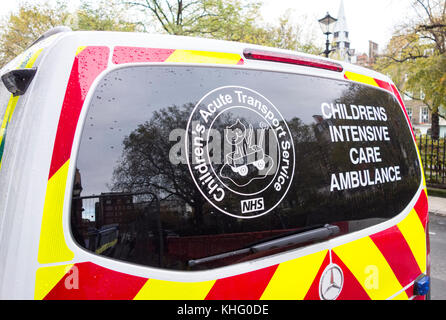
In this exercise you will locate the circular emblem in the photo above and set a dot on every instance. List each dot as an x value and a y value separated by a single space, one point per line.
331 282
241 154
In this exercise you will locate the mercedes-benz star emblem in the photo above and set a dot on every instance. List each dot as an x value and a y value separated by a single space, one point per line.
331 283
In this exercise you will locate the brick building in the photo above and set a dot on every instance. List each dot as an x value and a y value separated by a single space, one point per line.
421 117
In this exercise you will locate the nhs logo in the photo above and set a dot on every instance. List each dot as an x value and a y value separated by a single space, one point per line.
252 205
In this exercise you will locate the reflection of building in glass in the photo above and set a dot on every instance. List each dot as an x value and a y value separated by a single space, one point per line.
114 207
323 125
77 211
77 201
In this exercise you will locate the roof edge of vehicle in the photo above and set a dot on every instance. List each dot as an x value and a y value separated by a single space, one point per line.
139 39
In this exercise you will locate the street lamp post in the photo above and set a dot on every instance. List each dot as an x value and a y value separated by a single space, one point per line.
327 25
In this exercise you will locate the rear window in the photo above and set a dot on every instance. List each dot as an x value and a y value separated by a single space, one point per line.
182 163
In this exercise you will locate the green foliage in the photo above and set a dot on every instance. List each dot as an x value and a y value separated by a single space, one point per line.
105 15
284 36
25 26
428 75
21 28
231 20
416 58
196 17
424 74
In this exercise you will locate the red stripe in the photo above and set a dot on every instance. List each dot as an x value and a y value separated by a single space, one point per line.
409 291
398 96
247 286
351 290
137 54
87 65
384 85
398 255
394 90
92 282
422 208
313 292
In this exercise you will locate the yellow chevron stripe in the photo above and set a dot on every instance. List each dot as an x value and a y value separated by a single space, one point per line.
293 279
6 119
414 233
8 114
10 109
80 49
52 246
33 58
421 164
47 278
168 290
361 78
193 56
362 254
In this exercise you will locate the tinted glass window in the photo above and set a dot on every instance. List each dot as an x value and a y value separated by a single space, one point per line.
181 163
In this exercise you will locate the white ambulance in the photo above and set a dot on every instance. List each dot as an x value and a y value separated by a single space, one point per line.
138 166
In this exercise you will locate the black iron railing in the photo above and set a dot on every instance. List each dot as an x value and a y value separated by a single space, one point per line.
433 156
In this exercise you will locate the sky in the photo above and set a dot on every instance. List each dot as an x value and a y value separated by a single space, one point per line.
367 19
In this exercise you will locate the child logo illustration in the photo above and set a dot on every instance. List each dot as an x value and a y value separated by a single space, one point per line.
248 161
241 155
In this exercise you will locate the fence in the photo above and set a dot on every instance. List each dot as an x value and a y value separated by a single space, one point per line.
433 156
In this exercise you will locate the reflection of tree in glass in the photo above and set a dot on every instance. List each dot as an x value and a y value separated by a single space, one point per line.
145 163
309 167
